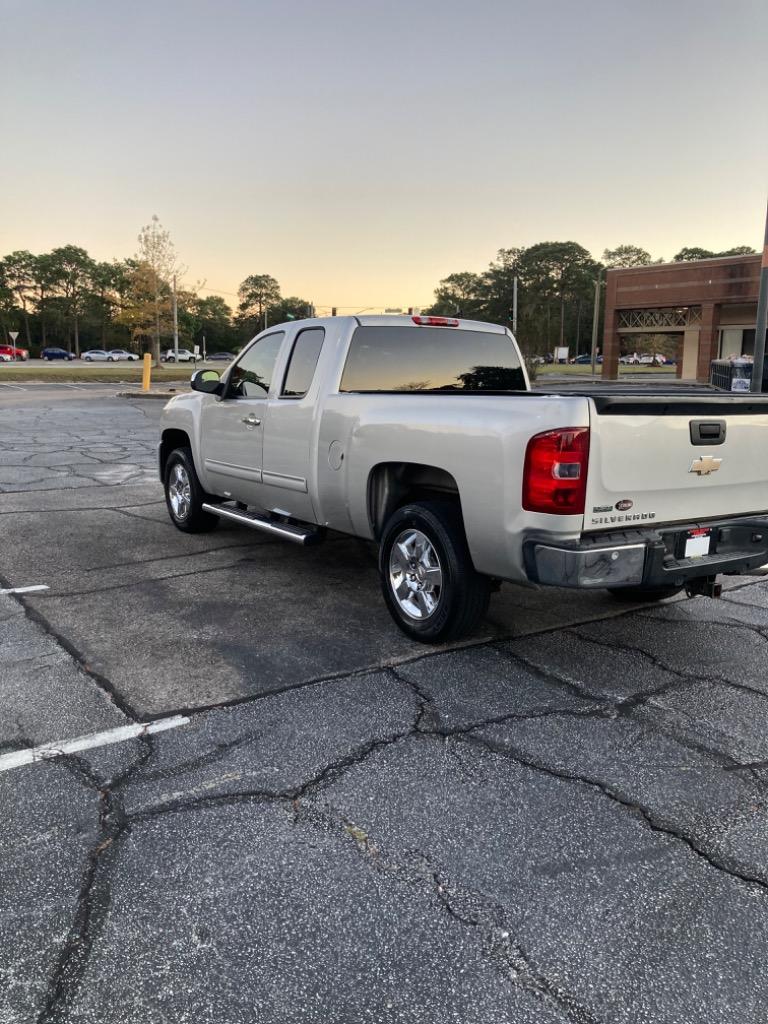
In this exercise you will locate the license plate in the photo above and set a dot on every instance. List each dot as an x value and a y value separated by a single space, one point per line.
698 543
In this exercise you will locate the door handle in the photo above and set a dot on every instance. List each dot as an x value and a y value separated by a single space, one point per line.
251 421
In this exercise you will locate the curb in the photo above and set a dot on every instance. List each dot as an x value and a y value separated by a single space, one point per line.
164 395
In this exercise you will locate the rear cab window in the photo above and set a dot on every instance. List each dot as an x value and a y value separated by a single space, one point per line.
431 359
303 362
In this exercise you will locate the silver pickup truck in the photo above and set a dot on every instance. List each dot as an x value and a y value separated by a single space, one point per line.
422 435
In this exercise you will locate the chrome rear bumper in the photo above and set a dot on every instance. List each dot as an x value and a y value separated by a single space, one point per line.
648 558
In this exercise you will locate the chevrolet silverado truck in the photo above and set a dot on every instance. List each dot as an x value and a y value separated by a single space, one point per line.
422 434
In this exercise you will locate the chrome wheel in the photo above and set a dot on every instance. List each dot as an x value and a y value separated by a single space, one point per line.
180 491
415 574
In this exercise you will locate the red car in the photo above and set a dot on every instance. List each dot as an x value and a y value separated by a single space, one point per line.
14 353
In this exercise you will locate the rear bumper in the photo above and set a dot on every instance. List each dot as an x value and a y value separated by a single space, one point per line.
647 558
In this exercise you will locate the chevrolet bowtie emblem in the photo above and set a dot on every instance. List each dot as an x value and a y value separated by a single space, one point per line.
705 465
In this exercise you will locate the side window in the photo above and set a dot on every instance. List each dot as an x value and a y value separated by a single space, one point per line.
301 367
251 376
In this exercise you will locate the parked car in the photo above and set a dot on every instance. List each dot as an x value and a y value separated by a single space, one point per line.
630 360
585 359
56 353
94 355
226 356
123 353
185 356
14 353
652 360
421 435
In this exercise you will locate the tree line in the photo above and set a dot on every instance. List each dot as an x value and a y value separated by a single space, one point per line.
555 290
67 299
64 298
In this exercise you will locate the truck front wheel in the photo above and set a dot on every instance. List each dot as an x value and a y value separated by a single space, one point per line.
430 586
184 494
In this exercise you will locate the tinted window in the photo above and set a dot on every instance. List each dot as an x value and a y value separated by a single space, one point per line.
252 375
301 368
431 359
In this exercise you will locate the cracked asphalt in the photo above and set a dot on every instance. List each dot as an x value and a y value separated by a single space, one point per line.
563 820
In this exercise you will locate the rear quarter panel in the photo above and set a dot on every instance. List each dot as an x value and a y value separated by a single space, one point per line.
479 439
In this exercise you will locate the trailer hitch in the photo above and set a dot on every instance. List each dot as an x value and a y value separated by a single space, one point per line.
704 586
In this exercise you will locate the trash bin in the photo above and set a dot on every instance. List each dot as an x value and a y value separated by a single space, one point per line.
733 374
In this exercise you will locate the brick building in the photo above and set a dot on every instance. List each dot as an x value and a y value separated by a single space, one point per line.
707 308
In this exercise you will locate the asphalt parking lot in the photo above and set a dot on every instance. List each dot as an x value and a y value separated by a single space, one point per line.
307 817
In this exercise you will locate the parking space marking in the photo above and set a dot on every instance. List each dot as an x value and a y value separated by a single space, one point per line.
25 590
14 386
49 751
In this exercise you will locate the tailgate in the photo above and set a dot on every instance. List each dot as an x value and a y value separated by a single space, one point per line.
669 459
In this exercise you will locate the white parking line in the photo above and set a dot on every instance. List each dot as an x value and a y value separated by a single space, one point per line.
14 386
25 590
48 751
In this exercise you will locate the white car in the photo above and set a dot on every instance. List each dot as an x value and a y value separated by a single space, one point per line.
98 355
122 353
185 356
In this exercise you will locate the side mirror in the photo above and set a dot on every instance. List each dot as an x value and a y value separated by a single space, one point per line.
206 381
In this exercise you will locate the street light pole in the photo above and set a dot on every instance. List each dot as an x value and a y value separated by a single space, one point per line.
762 317
175 325
514 306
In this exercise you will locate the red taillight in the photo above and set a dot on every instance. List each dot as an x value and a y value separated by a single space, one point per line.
435 321
555 474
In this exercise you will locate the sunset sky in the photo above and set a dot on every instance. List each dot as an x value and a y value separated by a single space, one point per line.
360 151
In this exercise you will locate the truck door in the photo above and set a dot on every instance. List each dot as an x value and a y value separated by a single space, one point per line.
232 432
288 433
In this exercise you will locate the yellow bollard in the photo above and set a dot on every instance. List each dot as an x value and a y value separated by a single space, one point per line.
146 376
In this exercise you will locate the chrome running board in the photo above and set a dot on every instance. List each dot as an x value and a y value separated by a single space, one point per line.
288 531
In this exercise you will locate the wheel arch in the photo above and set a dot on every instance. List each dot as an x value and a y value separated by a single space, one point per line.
393 484
170 439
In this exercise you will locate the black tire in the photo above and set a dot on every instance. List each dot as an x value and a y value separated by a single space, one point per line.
187 516
456 606
649 594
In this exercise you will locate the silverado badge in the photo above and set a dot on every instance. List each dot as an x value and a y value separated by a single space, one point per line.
705 465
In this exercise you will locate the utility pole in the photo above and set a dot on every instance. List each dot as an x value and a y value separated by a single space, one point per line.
595 318
514 306
175 325
762 317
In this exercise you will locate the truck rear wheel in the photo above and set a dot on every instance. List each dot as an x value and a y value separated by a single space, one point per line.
649 594
429 584
184 494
